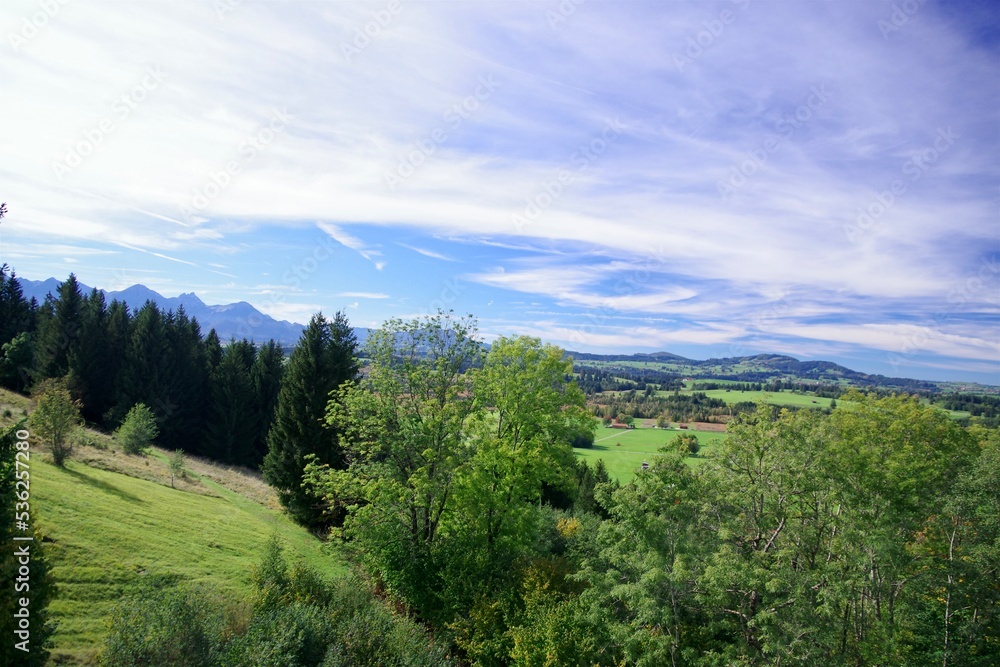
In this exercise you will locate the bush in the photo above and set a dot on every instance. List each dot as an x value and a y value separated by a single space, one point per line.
56 418
155 627
138 430
294 635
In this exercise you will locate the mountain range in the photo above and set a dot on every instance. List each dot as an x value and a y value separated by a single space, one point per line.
242 320
232 320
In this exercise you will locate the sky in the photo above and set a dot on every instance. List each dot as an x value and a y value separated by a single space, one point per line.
817 179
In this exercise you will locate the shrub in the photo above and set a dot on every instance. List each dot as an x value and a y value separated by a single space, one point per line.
137 430
55 418
154 627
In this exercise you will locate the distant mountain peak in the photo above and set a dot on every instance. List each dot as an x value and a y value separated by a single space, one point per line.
232 320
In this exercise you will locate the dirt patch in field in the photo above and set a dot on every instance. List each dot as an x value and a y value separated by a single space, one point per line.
707 426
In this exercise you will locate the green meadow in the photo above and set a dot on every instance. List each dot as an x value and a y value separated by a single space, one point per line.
624 450
782 398
106 532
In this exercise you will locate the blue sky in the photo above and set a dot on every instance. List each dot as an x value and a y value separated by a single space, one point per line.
818 179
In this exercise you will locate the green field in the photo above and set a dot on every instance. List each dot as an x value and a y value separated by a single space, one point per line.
105 532
623 451
785 398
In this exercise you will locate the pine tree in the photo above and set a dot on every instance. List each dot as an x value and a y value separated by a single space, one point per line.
232 420
117 334
15 312
213 350
323 359
143 374
58 333
186 386
88 369
265 376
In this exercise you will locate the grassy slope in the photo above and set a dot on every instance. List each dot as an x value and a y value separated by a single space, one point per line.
624 451
106 531
109 530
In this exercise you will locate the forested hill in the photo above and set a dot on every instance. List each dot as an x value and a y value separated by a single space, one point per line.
233 320
758 368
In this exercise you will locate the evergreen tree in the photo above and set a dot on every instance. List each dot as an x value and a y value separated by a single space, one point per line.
143 375
88 369
15 312
213 350
265 376
186 385
232 420
59 333
323 359
117 335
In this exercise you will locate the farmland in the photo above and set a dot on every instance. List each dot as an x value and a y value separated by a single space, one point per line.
624 450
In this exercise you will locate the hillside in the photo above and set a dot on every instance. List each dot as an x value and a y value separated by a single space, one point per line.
664 366
107 532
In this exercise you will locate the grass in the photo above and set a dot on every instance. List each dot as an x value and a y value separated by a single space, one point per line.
785 398
105 531
623 451
111 521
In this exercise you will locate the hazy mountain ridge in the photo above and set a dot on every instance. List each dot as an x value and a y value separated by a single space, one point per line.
243 320
232 320
757 368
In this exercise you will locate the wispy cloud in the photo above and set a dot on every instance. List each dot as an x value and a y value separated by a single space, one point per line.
427 253
352 242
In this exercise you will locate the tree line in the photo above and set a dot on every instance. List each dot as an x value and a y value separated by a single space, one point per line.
208 399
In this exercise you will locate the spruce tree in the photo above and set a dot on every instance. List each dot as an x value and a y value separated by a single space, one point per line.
143 374
59 331
88 368
186 387
265 376
232 420
323 359
213 350
15 312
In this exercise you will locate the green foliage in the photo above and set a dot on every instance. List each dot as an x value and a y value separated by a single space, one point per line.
16 361
166 626
323 360
55 418
232 425
38 587
138 430
686 443
176 465
297 619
